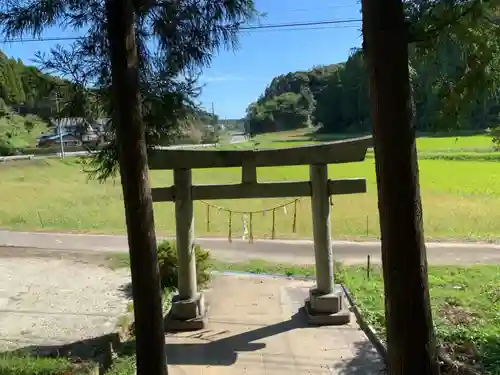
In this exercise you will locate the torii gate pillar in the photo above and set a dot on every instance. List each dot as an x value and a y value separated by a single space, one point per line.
326 303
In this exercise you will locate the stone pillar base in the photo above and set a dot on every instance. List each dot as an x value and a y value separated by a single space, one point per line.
187 315
327 309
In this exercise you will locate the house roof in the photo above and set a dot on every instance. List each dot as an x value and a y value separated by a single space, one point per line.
68 121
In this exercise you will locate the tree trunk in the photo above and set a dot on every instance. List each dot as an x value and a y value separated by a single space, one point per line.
130 136
410 333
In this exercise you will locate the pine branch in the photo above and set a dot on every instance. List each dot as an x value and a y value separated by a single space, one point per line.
175 40
434 31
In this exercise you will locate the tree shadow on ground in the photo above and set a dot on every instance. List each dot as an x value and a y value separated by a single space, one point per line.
216 351
213 350
366 361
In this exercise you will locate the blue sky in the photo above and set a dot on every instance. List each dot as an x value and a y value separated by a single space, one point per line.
235 79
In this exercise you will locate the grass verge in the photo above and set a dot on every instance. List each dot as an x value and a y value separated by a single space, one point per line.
18 364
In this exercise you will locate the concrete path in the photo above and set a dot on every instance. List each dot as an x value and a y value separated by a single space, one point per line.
298 251
255 328
255 323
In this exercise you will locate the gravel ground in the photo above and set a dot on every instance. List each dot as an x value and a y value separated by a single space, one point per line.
47 301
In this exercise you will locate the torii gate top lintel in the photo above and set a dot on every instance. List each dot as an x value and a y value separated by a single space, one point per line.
343 151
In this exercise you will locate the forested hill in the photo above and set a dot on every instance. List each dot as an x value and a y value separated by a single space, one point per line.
26 88
336 98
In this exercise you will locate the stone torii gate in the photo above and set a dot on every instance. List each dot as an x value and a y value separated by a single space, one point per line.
326 302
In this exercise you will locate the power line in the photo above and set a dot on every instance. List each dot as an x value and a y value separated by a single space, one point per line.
305 29
323 8
294 24
285 26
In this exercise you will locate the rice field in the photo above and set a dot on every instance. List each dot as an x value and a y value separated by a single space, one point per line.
460 198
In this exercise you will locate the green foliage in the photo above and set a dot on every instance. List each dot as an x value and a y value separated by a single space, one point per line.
454 71
195 129
281 111
26 88
341 103
495 137
333 96
168 263
4 109
17 132
175 39
123 366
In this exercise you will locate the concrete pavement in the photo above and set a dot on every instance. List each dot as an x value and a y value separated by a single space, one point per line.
255 327
283 251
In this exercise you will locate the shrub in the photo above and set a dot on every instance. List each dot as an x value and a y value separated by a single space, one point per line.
4 109
495 135
29 125
167 261
6 148
123 366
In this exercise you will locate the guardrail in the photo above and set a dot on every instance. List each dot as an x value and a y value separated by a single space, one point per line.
53 152
3 159
188 146
56 150
68 154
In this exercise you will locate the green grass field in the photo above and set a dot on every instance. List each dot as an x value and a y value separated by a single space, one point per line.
461 200
435 144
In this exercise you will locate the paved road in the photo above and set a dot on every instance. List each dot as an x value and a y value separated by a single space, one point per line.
236 138
298 252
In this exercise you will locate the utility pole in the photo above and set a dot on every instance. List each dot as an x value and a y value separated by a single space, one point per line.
138 202
61 143
215 125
